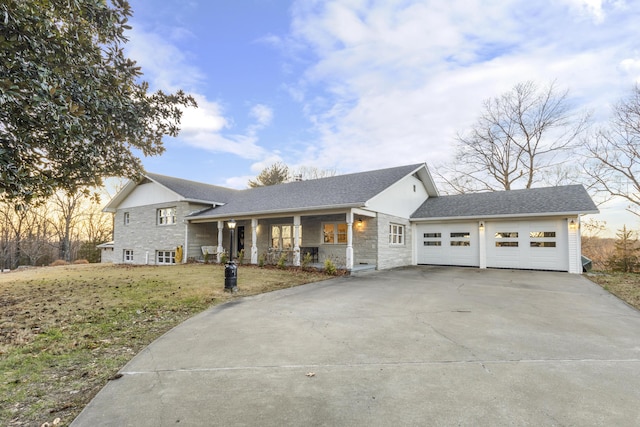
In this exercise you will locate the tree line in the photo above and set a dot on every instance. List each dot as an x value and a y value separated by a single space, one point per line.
65 227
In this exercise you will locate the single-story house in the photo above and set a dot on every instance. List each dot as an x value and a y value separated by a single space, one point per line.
377 219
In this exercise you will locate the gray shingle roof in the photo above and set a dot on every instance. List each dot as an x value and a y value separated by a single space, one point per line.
343 190
544 201
192 190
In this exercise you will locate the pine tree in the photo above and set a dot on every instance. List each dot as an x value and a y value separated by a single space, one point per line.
625 257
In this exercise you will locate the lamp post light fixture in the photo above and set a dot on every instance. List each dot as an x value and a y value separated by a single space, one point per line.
231 269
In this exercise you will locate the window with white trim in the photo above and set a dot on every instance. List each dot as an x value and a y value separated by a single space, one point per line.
282 236
166 216
127 255
334 233
126 218
165 257
396 234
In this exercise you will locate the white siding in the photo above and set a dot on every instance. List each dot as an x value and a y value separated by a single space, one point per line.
148 193
401 199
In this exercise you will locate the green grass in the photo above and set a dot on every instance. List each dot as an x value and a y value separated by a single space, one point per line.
64 331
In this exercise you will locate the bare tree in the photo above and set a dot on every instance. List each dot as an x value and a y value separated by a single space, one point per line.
518 138
304 173
36 245
614 153
65 219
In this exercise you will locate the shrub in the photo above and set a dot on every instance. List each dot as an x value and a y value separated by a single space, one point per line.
330 267
282 261
241 257
261 261
224 258
58 262
81 261
306 260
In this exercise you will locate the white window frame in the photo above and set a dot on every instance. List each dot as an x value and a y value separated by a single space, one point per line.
335 237
280 244
166 216
168 257
127 255
397 233
127 218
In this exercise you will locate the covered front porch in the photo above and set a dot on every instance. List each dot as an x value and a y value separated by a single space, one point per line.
347 238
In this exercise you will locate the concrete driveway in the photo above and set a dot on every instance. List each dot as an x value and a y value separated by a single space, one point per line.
413 346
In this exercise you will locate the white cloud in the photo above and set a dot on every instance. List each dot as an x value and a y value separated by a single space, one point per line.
262 114
631 67
165 66
392 82
168 68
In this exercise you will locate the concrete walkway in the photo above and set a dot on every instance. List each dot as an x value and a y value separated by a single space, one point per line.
415 346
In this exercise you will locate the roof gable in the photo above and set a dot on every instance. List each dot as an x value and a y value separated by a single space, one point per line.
174 189
562 200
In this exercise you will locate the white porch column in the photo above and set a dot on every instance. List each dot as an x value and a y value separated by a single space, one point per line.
220 247
254 241
296 240
482 244
574 245
186 242
349 265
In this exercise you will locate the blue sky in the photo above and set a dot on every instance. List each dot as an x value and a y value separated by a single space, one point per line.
355 85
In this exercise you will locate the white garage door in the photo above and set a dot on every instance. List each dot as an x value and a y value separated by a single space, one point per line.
448 244
538 245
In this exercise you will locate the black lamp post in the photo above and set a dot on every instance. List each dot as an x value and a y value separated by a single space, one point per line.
230 269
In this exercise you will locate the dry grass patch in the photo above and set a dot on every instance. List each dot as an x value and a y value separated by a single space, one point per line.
625 286
64 331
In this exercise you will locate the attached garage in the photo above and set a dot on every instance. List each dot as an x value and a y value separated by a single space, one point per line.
536 229
448 244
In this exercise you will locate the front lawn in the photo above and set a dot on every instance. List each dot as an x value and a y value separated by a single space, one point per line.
64 331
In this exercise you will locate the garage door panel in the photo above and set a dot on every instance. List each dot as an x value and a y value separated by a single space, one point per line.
539 245
448 244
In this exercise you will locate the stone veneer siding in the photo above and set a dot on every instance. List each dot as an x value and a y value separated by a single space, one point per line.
390 256
144 236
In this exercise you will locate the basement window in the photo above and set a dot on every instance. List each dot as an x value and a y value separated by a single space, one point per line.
166 257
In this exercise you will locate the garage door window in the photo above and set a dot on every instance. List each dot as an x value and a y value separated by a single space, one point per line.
460 239
432 239
542 239
506 239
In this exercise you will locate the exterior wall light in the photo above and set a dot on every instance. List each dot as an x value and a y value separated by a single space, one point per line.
573 225
360 224
481 225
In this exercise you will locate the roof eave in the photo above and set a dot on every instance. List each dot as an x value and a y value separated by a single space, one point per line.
278 211
502 216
